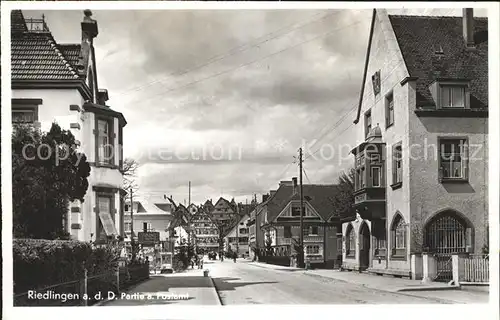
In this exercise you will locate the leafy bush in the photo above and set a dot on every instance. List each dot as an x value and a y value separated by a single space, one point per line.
41 263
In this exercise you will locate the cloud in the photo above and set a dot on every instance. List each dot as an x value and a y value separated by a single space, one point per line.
257 83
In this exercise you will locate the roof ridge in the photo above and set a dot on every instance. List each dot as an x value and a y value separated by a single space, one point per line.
53 44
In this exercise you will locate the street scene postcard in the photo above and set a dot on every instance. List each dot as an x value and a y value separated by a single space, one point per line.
214 155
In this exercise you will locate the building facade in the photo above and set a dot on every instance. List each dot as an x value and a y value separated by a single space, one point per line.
280 222
58 83
422 129
205 232
148 217
237 239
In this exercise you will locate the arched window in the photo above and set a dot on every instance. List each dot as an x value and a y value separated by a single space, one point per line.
350 241
398 236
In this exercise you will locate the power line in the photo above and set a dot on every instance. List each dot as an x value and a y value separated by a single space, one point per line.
246 64
355 106
228 54
305 173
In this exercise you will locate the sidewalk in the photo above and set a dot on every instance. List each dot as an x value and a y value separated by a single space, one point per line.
434 290
384 283
185 288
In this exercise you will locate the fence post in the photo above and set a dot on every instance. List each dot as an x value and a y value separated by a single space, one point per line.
85 283
455 269
118 279
416 267
429 268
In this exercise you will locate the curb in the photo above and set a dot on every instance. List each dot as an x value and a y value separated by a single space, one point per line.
429 289
216 291
262 265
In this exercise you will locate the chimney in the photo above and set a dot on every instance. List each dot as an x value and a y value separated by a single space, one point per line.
294 180
265 197
102 96
272 192
468 26
286 183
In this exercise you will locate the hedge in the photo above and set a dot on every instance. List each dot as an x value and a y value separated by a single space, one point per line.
41 263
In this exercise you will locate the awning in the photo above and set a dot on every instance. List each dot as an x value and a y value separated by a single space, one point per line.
108 223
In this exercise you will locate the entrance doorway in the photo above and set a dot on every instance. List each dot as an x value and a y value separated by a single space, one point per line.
445 234
364 247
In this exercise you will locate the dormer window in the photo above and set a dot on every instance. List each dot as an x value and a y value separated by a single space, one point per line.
453 96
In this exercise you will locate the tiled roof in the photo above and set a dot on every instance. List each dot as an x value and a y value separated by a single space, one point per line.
36 55
319 197
419 37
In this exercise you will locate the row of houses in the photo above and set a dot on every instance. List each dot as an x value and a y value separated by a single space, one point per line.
200 225
421 157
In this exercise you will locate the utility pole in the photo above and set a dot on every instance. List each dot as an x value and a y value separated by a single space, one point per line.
132 242
189 201
301 238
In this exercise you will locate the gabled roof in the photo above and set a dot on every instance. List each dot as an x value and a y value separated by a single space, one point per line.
419 37
35 55
317 195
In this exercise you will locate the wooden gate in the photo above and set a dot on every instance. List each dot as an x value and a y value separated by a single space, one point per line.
444 235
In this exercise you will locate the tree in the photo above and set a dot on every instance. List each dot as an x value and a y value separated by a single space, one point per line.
343 200
129 172
47 173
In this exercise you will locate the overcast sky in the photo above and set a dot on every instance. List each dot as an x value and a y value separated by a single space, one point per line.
225 98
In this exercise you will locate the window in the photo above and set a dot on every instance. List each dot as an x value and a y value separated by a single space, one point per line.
453 156
128 226
105 217
389 110
398 238
287 232
314 231
312 249
25 111
351 241
104 142
376 177
368 123
379 238
147 227
296 211
453 96
127 207
26 115
360 171
397 164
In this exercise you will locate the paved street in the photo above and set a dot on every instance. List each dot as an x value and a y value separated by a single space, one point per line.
246 283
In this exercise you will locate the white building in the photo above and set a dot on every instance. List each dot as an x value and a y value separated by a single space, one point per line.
52 82
237 238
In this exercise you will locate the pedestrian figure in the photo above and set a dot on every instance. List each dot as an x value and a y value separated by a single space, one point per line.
234 257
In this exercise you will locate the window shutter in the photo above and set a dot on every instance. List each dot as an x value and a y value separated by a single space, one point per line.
394 166
469 247
465 160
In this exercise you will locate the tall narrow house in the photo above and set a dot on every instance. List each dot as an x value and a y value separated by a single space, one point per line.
422 154
58 83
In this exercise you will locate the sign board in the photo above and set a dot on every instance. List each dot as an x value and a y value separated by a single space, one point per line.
149 238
